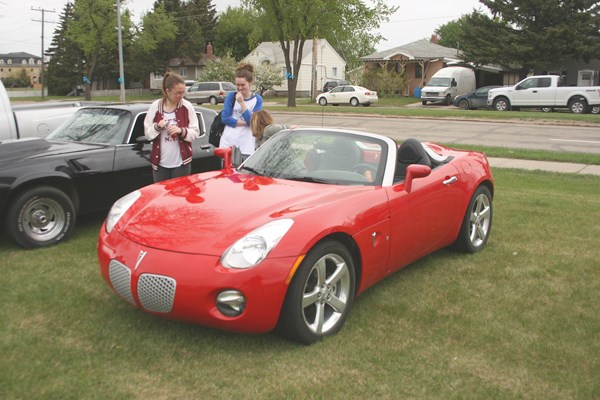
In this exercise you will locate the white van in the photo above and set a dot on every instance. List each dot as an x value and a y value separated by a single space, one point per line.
448 83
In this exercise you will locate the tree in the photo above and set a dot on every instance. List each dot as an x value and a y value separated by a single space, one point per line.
222 69
65 66
93 31
292 22
532 34
449 34
267 76
236 28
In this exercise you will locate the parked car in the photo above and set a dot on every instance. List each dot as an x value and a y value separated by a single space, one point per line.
348 94
447 83
209 92
94 158
472 100
545 91
288 239
334 83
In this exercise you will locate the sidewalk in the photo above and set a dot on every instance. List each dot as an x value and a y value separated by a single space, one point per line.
563 167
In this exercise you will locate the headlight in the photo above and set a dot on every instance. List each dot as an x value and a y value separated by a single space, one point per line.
256 245
119 208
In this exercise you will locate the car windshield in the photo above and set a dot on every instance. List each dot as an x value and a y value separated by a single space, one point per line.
229 86
320 156
442 82
94 125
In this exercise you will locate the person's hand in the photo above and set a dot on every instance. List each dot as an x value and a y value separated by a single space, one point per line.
174 131
161 124
239 97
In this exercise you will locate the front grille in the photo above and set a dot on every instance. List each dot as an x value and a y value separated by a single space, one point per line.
120 279
156 292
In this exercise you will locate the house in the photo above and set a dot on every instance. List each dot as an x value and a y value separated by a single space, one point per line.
421 59
321 58
187 68
11 65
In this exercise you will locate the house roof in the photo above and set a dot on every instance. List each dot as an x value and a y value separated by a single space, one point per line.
420 50
272 50
18 55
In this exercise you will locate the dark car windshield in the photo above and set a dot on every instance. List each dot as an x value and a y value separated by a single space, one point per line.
441 82
94 125
320 156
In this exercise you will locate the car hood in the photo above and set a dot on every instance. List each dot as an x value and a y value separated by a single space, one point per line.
12 151
206 213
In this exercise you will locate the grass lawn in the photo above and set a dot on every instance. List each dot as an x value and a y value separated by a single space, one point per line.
518 320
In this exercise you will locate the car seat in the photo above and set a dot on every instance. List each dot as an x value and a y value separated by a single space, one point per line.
410 152
343 154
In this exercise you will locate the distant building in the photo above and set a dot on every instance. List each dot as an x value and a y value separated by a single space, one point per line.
11 65
329 64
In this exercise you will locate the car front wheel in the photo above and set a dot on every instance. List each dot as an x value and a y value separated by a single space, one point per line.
595 110
320 295
323 101
477 223
40 217
501 104
463 104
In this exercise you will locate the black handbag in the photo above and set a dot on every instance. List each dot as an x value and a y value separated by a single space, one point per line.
217 127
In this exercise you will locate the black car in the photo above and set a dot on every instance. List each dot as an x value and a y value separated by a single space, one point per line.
334 83
85 165
472 100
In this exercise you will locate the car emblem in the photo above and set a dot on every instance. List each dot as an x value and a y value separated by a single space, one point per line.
140 258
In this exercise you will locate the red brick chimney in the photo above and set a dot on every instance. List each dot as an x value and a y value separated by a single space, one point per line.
209 52
434 39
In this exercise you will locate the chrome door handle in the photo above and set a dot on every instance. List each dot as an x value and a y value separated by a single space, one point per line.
450 181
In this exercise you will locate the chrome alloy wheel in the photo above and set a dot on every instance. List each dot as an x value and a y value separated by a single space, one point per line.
480 220
43 219
327 291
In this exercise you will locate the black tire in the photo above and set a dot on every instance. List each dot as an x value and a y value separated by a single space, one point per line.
324 283
354 102
463 104
501 104
424 102
578 106
547 109
323 101
448 100
213 101
40 216
595 110
477 222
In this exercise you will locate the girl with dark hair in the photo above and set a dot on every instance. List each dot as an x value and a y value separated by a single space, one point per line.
171 125
237 114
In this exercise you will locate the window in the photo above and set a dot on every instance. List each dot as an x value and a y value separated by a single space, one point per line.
24 62
544 82
183 71
334 71
9 61
1 60
418 71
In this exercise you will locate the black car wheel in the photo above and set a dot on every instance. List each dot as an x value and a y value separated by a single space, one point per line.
354 102
320 295
323 101
578 106
40 217
463 104
213 101
477 223
595 110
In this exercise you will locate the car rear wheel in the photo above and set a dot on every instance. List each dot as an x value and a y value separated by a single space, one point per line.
354 102
501 104
320 295
595 110
213 101
41 216
323 101
463 104
477 223
578 106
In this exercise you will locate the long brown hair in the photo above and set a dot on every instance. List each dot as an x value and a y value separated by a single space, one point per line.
170 79
259 121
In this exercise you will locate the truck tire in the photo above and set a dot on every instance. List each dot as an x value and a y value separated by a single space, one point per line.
501 104
595 110
40 216
448 100
578 106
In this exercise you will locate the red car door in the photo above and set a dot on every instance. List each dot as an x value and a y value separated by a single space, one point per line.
425 219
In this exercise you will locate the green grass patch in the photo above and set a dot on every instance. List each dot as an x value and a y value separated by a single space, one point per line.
518 320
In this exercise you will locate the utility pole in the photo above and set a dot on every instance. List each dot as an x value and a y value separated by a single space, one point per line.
42 78
121 72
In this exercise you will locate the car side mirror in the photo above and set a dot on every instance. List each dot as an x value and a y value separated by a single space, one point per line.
415 171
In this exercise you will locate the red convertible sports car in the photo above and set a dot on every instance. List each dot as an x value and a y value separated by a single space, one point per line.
288 239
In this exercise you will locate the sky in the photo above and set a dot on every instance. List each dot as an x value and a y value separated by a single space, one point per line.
21 27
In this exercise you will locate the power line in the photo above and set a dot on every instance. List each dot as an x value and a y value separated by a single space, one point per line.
43 11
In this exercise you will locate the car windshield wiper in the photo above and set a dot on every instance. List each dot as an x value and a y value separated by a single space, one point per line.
312 179
250 169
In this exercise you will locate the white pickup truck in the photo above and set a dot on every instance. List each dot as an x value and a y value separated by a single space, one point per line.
32 120
544 91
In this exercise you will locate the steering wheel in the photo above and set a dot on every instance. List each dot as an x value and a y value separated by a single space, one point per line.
366 170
